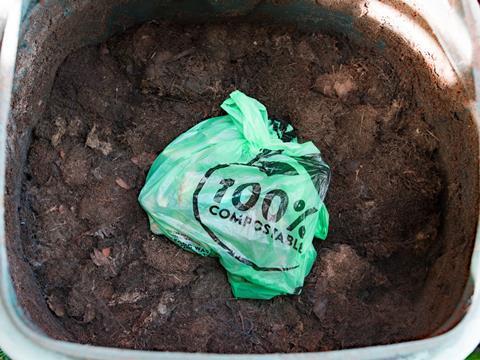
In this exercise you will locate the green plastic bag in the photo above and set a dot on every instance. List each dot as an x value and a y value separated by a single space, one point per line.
242 188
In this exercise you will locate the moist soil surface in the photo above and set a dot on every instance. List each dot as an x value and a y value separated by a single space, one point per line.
116 105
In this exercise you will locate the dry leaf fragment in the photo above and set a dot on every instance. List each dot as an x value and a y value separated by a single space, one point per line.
61 125
122 183
99 258
56 305
95 143
106 251
144 159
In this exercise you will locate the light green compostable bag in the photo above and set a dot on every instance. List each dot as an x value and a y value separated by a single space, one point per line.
242 188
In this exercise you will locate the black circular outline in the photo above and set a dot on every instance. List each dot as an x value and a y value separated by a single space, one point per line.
212 234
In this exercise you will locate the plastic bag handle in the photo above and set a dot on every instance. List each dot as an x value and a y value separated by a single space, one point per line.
251 118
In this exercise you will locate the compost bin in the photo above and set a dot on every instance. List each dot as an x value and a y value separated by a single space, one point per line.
99 88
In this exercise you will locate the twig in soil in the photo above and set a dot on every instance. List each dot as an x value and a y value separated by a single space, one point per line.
356 172
381 72
361 122
433 135
57 226
241 319
53 208
170 274
181 54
